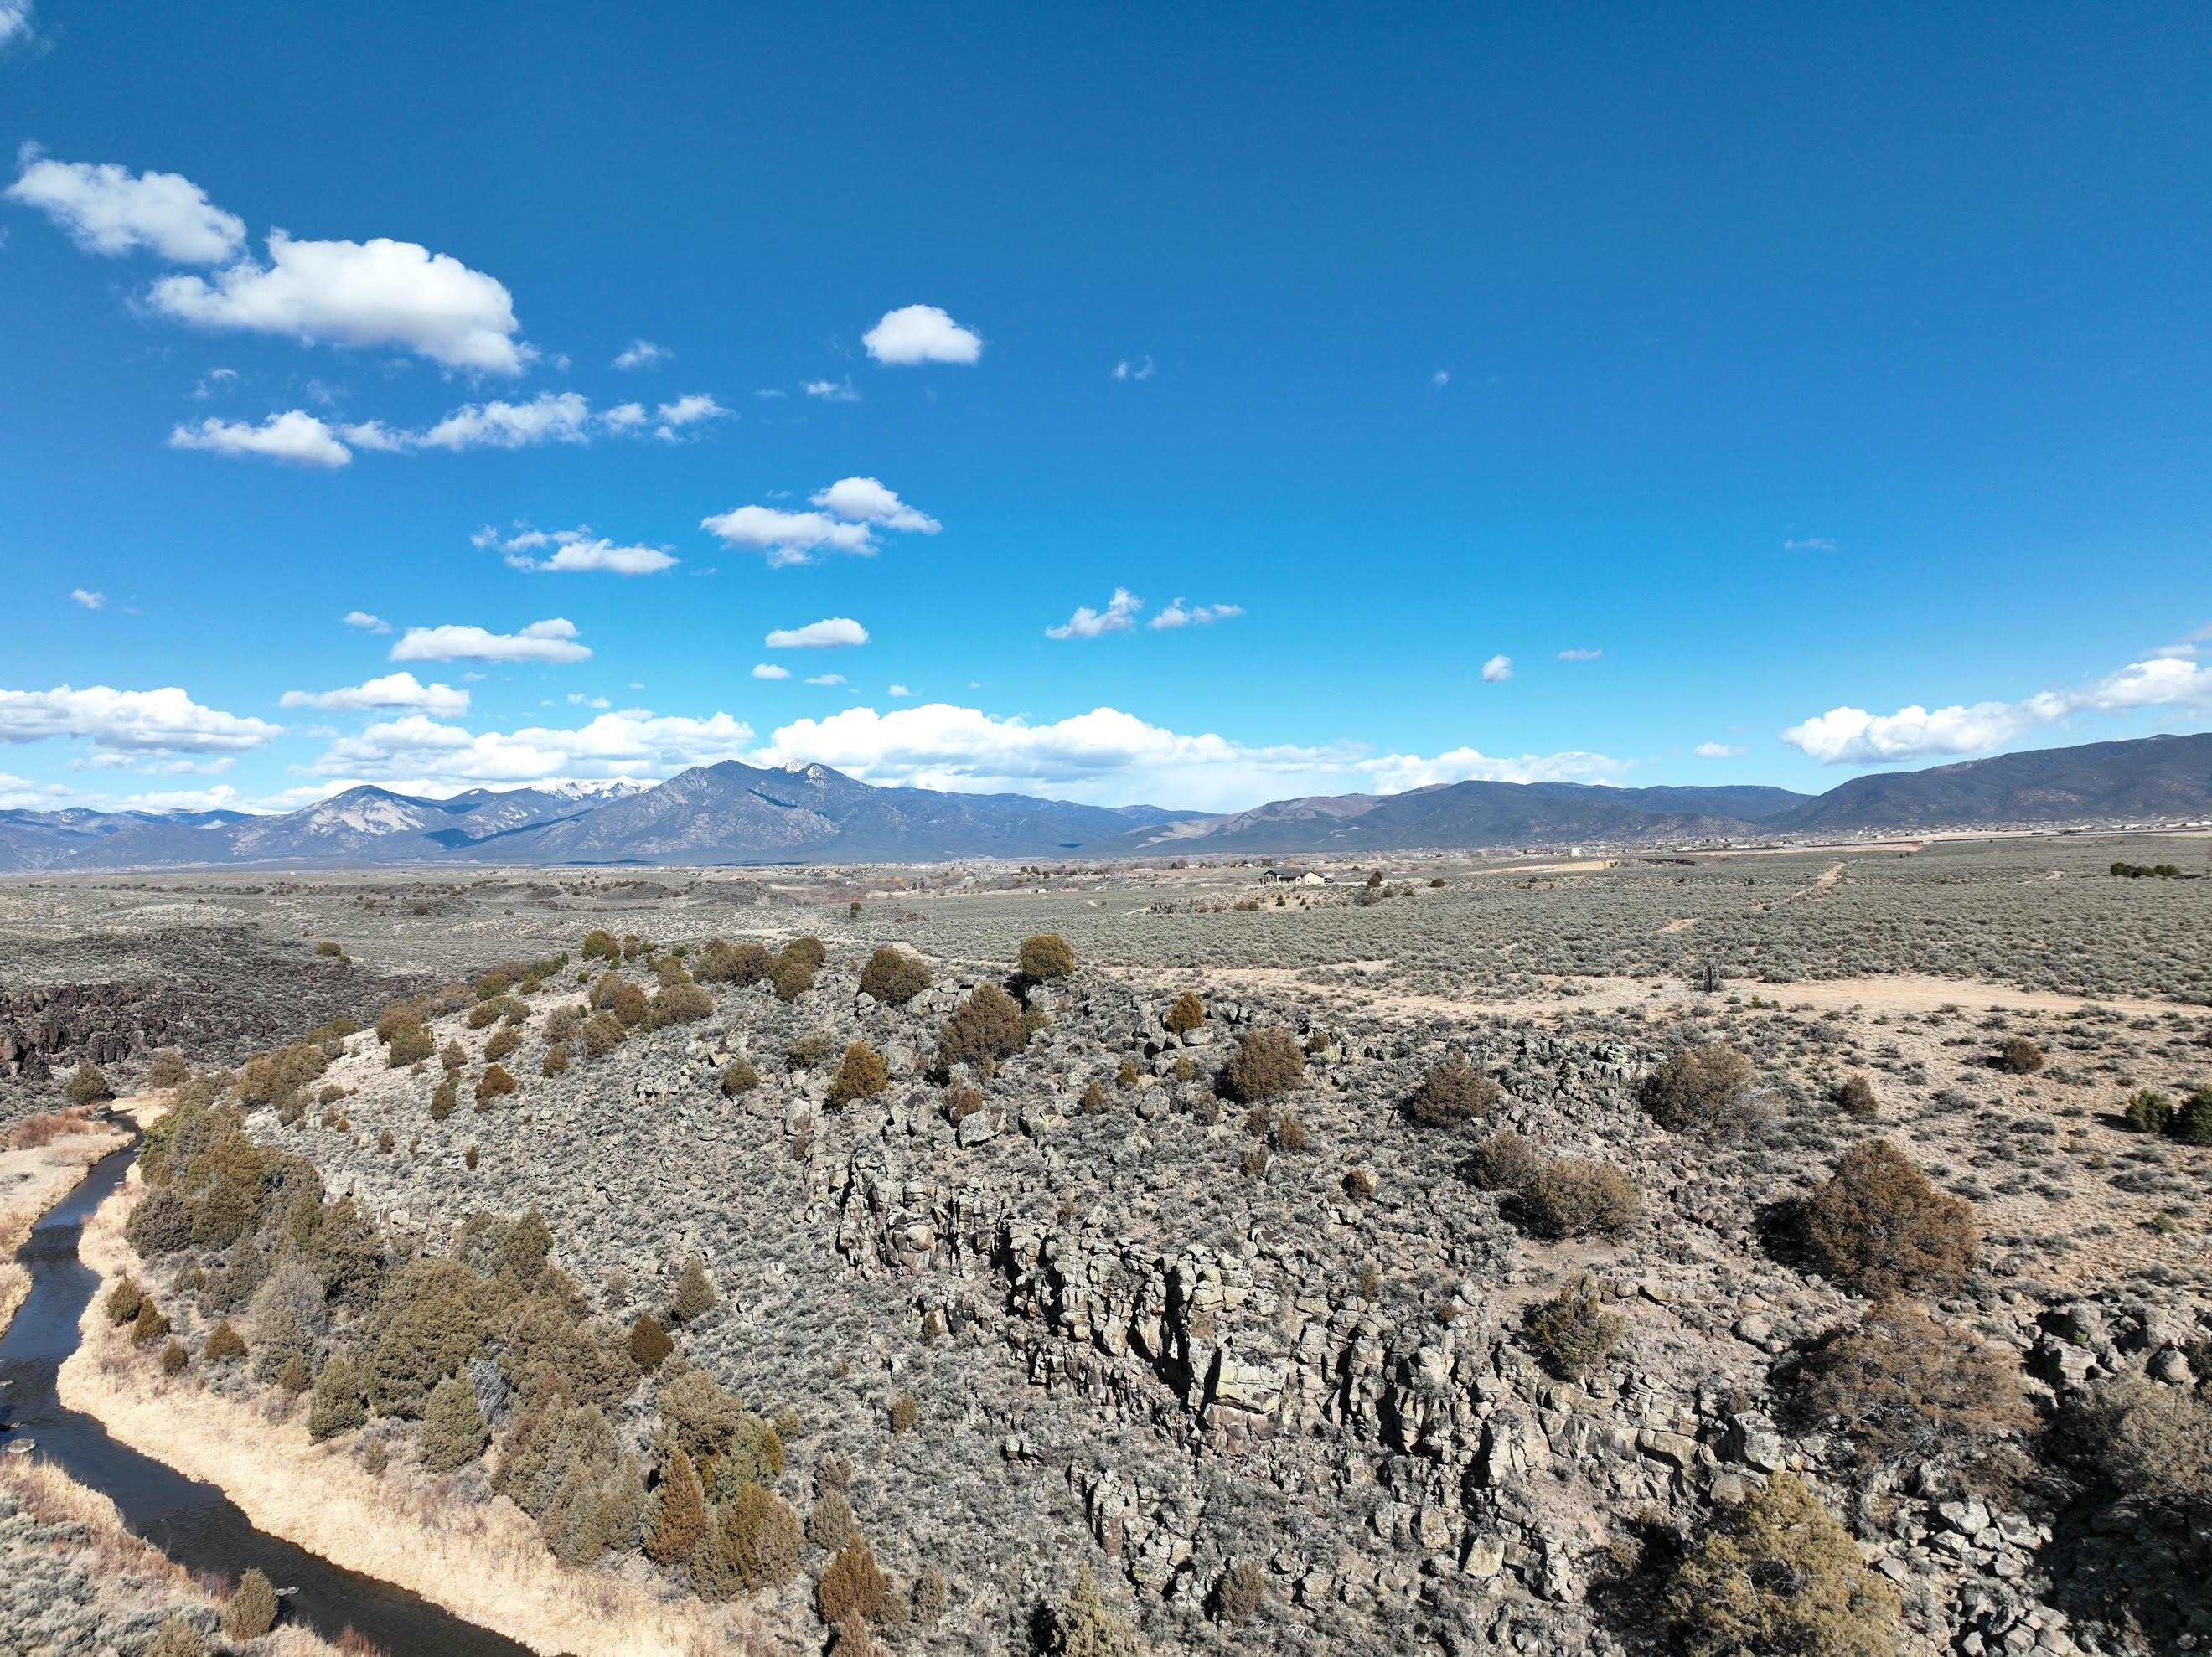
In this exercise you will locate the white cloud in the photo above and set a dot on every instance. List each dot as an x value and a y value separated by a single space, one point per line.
788 538
392 691
1580 655
828 391
294 436
1853 735
211 381
548 417
688 410
642 353
1498 670
89 600
1127 370
109 209
830 634
900 692
145 721
1717 751
630 743
553 640
1441 378
770 671
827 679
366 623
1175 615
377 293
15 25
1810 543
1119 616
578 699
575 551
921 333
867 500
1110 756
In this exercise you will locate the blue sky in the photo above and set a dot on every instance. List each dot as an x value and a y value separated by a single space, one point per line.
1646 395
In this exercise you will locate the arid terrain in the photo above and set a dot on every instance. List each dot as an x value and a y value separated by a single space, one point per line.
1800 1251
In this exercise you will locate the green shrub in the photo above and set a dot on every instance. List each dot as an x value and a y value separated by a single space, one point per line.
1575 1199
739 1076
861 1074
556 1060
829 1524
853 1585
88 1085
1452 1095
444 1098
1779 1573
409 1044
335 1405
905 1412
985 1028
224 1343
2192 1120
2154 1442
743 964
893 976
1045 958
601 946
179 1636
695 1292
1879 1226
1241 1591
629 1005
503 1042
683 1003
1698 1091
649 1344
251 1611
761 1532
600 1034
1573 1332
453 1433
1186 1015
792 975
455 1057
808 948
1267 1065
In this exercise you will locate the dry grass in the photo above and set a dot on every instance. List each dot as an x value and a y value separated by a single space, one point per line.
45 1157
484 1562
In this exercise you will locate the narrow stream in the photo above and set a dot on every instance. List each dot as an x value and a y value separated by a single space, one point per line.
194 1524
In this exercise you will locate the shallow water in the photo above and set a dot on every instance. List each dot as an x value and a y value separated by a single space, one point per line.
194 1524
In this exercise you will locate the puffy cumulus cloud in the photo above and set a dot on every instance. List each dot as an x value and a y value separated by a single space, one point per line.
140 721
376 293
641 353
867 500
921 333
110 209
631 741
22 794
1498 670
1112 757
1718 750
294 436
553 640
1853 735
366 623
90 600
849 512
689 410
574 551
1176 615
393 691
770 671
1119 617
830 634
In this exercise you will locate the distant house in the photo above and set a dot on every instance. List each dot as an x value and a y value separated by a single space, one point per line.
1291 877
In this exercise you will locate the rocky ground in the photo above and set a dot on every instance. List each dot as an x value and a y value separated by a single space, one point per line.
1196 1345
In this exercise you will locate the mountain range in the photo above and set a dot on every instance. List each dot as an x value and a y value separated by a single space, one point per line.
734 813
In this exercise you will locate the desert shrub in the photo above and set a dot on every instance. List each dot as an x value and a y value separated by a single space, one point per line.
1241 1590
1359 1185
455 1057
986 1027
1855 1097
1291 1134
2192 1120
1082 1624
179 1636
743 964
1267 1065
761 1532
1093 1100
1778 1573
2148 1111
167 1070
444 1098
629 1005
494 1082
1451 1094
86 1085
1909 1392
829 1525
453 1433
484 1014
504 1041
600 1034
649 1343
808 1051
807 948
268 1077
1575 1199
1879 1226
792 975
860 1074
556 1062
334 1404
251 1611
1045 958
930 1595
679 1512
1572 1333
2018 1056
409 1044
1186 1015
600 945
679 1004
893 976
561 1023
224 1343
695 1292
161 1224
2155 1442
173 1358
739 1076
853 1585
1503 1162
905 1412
1698 1091
150 1325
